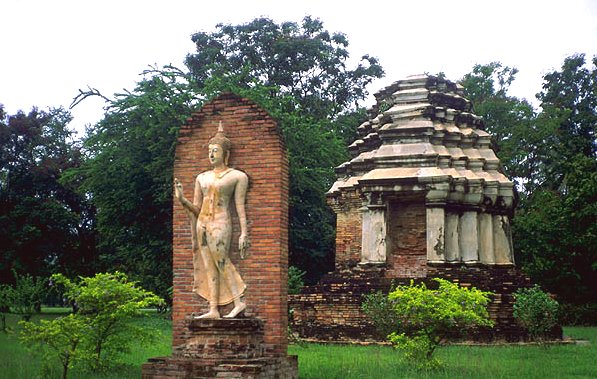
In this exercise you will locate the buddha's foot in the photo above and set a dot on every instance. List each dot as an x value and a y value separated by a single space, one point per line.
236 310
210 315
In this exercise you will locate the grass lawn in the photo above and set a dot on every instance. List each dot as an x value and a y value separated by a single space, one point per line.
554 361
16 362
345 362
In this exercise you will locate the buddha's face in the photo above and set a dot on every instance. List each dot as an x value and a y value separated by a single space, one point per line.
217 155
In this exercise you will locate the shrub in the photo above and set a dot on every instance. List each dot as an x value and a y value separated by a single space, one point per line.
296 280
425 317
60 338
27 294
106 304
380 310
4 305
536 311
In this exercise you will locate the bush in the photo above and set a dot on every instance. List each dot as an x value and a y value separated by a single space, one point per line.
101 329
536 311
27 294
425 317
4 305
380 310
296 280
60 338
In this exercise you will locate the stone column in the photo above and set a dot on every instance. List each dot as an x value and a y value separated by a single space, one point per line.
451 237
486 251
468 238
502 240
435 235
374 246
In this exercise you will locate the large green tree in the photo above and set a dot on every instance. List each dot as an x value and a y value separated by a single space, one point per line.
555 231
45 226
551 154
128 176
298 73
302 76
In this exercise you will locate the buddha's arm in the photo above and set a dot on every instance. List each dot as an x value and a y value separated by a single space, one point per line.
183 200
240 193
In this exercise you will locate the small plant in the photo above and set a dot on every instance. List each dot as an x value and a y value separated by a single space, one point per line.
27 294
4 305
296 280
536 311
380 310
425 317
60 339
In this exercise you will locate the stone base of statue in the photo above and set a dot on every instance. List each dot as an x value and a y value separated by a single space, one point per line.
230 348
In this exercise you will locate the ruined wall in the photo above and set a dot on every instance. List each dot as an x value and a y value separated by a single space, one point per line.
257 149
348 229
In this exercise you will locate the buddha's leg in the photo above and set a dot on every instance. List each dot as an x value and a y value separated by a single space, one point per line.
211 271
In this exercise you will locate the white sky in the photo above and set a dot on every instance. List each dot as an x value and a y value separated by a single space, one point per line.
50 49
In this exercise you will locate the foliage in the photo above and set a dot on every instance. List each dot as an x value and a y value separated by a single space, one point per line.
295 280
4 305
60 339
298 73
44 225
19 360
380 310
304 61
426 316
108 302
26 295
536 311
551 154
128 176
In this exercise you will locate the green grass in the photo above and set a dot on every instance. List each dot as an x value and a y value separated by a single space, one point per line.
350 361
16 362
513 361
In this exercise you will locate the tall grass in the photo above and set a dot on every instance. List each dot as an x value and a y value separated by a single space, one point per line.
348 361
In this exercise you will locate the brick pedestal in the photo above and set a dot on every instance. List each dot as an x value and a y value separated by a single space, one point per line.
228 348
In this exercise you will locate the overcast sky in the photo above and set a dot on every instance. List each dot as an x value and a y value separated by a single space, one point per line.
50 49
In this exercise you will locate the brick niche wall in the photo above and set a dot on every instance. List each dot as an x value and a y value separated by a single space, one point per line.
258 150
407 253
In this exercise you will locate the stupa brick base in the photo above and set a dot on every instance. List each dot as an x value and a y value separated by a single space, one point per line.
224 348
331 310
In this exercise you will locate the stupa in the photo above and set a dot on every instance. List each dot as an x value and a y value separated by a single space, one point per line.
423 196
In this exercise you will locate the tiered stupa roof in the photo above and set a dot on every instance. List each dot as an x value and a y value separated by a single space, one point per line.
422 132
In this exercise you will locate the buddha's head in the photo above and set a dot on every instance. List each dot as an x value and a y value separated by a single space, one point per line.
219 148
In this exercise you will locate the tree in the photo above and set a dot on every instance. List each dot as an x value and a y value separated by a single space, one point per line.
572 95
304 61
44 225
551 154
128 172
297 73
107 302
517 139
